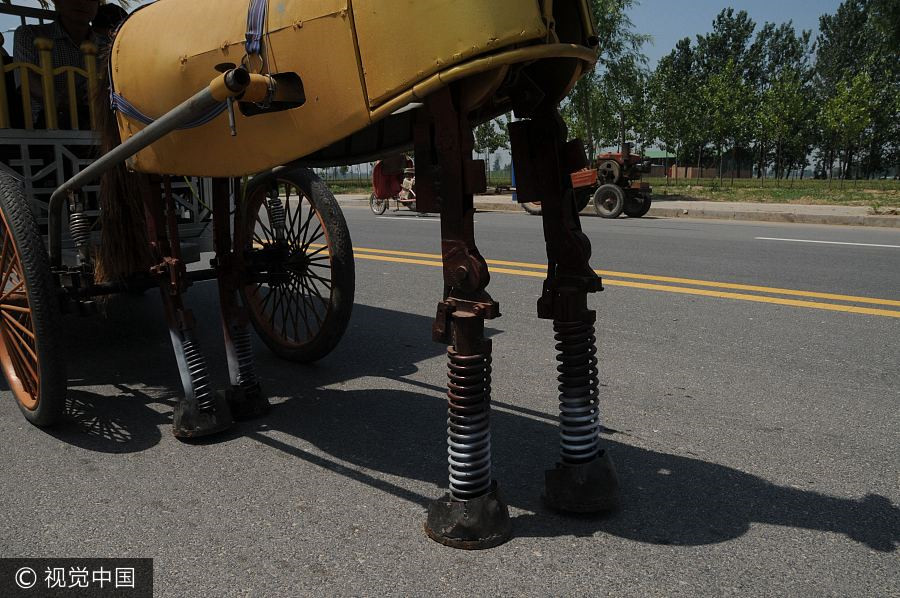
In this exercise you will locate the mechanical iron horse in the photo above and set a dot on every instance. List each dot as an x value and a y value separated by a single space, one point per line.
263 91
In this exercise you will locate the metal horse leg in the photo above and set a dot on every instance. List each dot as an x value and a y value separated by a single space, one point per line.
245 398
584 481
200 411
472 515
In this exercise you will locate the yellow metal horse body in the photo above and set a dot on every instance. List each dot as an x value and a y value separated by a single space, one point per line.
360 61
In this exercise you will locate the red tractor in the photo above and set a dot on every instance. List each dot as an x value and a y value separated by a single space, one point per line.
615 185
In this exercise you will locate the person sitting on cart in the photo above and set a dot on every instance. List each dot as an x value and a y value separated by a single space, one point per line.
408 184
71 28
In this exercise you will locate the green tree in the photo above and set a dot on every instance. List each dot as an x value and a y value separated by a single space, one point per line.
727 64
490 137
784 124
886 17
859 38
727 98
605 103
673 100
848 114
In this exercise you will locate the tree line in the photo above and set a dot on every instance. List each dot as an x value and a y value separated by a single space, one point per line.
744 95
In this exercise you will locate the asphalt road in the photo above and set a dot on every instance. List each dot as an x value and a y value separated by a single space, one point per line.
751 388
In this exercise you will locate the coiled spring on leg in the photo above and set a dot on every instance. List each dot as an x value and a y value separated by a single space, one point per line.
276 212
80 230
468 425
578 391
196 366
243 350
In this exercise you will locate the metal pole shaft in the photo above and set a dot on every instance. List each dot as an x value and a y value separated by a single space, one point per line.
179 116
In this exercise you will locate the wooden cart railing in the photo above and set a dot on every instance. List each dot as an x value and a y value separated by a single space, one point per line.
48 75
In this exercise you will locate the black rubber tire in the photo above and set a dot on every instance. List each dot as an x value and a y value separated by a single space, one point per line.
609 201
637 206
42 395
532 208
583 197
323 214
378 206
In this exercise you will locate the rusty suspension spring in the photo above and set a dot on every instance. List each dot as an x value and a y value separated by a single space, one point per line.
196 365
578 391
468 425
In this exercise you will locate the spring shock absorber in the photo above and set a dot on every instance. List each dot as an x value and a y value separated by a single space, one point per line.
80 228
199 376
468 425
243 350
578 391
80 231
472 515
276 213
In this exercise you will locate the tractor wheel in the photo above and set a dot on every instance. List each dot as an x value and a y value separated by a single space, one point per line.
30 347
379 206
583 197
609 201
296 242
532 208
637 206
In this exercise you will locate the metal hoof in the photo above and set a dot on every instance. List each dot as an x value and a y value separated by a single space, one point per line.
247 403
190 422
474 524
587 488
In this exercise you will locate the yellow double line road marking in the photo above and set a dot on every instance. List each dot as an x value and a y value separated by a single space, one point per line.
723 290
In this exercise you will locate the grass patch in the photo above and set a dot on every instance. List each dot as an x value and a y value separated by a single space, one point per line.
880 196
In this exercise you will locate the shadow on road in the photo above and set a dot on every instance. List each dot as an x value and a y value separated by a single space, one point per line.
668 499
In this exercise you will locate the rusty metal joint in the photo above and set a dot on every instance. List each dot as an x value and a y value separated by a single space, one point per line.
455 307
175 271
464 267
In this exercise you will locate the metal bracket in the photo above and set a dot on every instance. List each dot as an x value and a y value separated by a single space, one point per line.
176 272
441 331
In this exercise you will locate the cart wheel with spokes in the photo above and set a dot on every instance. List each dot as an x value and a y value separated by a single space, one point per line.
30 350
379 206
299 263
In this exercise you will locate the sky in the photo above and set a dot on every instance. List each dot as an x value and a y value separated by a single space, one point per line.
666 20
670 20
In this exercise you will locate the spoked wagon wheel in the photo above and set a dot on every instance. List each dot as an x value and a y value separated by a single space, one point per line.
29 313
378 205
300 261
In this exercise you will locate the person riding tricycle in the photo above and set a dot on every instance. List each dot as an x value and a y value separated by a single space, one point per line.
393 178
